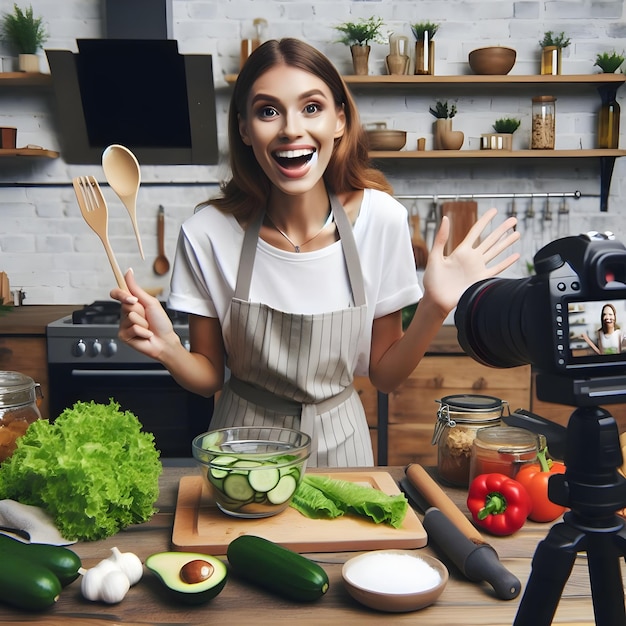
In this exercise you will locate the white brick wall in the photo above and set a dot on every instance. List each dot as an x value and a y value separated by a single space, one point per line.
47 250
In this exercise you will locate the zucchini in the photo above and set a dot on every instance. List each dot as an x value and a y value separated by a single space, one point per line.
277 568
26 584
61 561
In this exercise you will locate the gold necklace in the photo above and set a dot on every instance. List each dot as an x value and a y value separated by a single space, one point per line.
296 247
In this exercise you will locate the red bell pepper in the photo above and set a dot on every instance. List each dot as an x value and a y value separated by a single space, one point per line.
535 478
498 503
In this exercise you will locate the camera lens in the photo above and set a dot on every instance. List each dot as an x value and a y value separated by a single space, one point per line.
490 320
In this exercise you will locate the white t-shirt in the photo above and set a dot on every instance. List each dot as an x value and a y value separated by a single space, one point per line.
207 258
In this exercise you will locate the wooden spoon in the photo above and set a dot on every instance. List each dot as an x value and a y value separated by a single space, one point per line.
122 172
420 248
161 264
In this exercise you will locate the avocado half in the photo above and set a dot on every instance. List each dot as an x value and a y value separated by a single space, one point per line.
167 567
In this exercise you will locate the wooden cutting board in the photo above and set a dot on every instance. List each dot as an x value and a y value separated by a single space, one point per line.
199 526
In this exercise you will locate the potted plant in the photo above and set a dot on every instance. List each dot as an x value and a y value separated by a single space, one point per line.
424 46
444 138
609 63
552 46
26 34
502 139
358 35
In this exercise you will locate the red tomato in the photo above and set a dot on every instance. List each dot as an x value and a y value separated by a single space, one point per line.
535 478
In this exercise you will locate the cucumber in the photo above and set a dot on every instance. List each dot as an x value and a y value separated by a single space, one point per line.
283 490
277 568
61 561
264 480
237 487
26 584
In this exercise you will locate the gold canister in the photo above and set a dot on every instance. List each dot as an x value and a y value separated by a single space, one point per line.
502 450
459 419
19 395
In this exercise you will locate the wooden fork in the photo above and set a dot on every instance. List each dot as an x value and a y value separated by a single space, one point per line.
95 212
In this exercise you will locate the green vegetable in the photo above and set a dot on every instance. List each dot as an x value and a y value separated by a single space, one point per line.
93 470
27 585
349 497
277 568
62 562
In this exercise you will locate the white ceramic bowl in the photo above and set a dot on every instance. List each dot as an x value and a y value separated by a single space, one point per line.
252 471
395 581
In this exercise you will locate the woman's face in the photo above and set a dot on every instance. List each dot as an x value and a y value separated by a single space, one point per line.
608 317
291 123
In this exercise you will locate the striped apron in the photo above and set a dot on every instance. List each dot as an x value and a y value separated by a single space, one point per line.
296 370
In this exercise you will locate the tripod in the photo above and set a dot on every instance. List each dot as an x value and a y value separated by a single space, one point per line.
593 490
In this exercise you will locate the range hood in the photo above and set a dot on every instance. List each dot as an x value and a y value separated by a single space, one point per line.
140 93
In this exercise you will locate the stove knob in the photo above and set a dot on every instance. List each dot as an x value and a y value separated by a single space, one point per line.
111 348
96 348
79 348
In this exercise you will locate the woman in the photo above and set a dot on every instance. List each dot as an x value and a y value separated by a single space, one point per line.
296 276
609 337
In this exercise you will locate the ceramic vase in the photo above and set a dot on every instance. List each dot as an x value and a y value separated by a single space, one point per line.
444 138
360 59
397 61
28 63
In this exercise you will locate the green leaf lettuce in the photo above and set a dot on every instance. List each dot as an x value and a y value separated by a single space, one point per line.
317 494
93 470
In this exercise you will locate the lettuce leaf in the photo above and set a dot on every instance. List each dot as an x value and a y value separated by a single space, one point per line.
93 470
312 503
349 497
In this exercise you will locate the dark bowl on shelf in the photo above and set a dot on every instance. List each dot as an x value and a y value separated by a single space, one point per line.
494 60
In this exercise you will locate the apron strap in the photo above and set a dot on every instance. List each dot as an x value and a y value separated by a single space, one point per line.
348 243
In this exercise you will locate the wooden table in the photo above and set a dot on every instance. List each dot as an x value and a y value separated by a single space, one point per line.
462 603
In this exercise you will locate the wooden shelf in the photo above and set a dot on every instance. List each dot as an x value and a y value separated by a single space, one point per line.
30 152
475 79
495 154
25 79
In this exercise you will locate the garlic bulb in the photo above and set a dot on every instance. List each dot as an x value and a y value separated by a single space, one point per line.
114 587
129 563
91 583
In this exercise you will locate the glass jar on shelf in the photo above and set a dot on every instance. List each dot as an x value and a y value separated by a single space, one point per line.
543 123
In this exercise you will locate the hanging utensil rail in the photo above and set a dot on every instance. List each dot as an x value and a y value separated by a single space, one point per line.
485 196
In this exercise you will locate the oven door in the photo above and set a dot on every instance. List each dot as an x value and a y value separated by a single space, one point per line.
174 415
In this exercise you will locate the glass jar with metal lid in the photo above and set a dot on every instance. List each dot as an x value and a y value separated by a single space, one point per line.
458 420
18 409
503 450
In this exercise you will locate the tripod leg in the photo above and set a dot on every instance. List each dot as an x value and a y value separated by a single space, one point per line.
606 580
551 566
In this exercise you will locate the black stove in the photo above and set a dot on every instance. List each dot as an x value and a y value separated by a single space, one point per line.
87 361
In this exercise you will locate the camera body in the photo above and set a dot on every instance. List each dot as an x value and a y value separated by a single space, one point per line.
564 320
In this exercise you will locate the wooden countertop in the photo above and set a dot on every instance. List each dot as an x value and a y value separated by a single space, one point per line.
33 319
462 602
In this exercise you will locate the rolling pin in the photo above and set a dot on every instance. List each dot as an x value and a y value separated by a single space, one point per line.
436 496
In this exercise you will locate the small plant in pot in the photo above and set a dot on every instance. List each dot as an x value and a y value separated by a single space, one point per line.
503 137
26 34
358 36
424 46
552 46
444 138
609 63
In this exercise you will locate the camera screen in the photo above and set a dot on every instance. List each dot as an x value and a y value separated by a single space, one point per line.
597 330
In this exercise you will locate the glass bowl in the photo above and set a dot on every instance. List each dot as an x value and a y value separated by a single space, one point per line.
252 471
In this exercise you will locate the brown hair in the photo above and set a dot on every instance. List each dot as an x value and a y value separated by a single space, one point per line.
248 189
608 304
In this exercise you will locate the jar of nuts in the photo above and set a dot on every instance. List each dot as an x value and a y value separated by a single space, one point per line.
459 418
18 409
544 123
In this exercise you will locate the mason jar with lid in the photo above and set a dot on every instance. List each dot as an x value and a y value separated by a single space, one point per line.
503 450
18 409
543 123
459 418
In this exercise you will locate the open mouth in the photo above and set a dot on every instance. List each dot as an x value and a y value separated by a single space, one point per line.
294 159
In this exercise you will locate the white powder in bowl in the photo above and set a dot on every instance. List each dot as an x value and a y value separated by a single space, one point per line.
393 573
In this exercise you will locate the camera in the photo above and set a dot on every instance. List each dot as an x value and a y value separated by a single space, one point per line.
555 320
